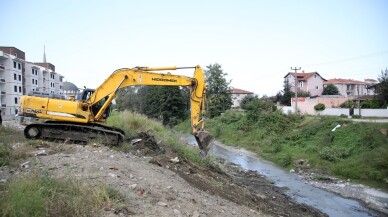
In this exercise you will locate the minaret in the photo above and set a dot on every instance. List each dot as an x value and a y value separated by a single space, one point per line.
44 54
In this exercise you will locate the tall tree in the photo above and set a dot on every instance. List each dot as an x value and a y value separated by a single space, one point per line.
330 89
218 93
129 98
173 105
382 87
286 95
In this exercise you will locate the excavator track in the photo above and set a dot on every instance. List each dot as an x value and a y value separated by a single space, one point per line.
75 132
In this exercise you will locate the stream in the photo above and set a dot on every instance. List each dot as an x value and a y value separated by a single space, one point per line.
298 189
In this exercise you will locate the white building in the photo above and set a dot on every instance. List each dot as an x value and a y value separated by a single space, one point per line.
238 95
19 77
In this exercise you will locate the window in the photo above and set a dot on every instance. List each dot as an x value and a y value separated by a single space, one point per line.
14 64
14 76
20 89
36 82
19 66
317 87
33 81
16 100
315 77
20 77
15 89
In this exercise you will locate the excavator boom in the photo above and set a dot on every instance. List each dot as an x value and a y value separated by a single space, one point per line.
85 115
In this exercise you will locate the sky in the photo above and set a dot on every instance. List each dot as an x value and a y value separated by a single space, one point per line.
255 42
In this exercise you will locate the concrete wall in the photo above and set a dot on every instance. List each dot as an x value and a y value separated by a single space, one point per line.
373 112
306 104
344 111
335 111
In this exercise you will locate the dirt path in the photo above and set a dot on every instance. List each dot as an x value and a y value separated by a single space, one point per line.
162 184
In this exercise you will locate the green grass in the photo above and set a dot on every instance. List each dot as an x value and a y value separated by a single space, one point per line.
357 151
133 124
42 195
8 137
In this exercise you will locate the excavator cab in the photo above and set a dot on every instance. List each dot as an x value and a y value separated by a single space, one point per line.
85 95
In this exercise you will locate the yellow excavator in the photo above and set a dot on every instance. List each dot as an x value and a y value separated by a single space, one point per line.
80 120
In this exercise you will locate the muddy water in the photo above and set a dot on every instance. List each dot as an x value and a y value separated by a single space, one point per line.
302 192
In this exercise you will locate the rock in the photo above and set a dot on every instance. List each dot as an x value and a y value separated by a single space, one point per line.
112 175
195 214
162 204
25 165
169 187
292 171
175 160
133 186
41 153
130 176
177 212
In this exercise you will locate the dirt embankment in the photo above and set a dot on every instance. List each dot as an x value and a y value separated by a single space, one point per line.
158 182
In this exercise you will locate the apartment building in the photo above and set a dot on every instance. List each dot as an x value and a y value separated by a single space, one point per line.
349 87
20 77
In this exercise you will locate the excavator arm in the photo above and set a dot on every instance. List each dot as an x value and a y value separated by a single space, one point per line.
140 76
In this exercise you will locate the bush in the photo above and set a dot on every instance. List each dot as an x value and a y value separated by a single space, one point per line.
343 116
334 154
356 116
319 107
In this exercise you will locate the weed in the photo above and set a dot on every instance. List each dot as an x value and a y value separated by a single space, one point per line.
285 160
42 195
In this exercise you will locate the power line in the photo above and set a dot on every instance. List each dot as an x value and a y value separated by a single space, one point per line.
350 59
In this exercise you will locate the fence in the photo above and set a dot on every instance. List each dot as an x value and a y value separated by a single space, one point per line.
343 111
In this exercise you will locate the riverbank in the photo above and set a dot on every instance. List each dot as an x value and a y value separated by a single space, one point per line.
300 184
338 147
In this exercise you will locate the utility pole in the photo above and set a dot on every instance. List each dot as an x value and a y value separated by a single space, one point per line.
296 87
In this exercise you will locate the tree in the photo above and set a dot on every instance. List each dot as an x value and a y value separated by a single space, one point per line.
173 105
218 93
129 98
287 94
165 103
330 89
382 87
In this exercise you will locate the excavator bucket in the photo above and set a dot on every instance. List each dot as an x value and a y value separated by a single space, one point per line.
204 139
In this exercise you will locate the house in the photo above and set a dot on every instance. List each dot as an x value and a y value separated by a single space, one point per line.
311 82
371 86
349 87
238 95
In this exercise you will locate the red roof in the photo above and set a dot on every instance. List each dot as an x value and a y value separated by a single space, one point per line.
303 76
343 81
240 91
